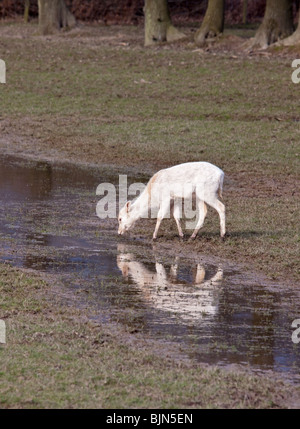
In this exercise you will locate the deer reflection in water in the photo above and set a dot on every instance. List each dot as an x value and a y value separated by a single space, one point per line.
164 291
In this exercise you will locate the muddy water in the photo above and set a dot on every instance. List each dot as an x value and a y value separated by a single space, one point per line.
213 311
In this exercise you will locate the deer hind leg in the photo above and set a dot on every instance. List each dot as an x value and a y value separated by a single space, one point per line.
217 205
202 213
177 216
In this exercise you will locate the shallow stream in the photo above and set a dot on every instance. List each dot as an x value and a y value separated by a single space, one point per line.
214 311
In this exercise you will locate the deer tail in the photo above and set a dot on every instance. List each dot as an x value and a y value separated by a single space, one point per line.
220 189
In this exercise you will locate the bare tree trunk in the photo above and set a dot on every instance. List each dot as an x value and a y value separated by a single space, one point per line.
294 39
213 22
54 15
158 25
245 11
26 10
277 23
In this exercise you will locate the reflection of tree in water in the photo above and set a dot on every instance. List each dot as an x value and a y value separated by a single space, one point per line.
19 182
21 187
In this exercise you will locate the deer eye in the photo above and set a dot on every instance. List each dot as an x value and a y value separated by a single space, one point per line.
120 219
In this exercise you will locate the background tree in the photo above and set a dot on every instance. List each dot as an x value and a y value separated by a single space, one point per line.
26 10
54 15
294 39
158 25
245 11
277 23
213 22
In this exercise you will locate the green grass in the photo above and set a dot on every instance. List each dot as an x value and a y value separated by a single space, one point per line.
150 103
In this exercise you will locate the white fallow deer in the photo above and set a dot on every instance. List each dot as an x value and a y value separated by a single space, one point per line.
173 185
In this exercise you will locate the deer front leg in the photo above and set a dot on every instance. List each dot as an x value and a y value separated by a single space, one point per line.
163 211
202 213
158 222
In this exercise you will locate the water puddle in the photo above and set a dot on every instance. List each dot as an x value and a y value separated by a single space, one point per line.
214 312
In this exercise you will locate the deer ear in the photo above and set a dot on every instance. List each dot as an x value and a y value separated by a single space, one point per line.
128 206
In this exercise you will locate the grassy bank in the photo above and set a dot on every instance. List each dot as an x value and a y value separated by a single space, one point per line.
54 358
97 95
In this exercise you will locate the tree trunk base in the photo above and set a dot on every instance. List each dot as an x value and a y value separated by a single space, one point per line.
174 34
54 16
170 34
158 25
276 25
204 35
265 38
213 23
292 40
